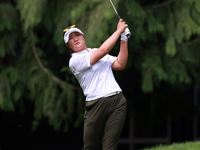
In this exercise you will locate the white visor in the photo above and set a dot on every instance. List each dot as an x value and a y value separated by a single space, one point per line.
68 32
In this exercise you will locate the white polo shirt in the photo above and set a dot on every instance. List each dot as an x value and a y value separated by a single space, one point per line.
96 81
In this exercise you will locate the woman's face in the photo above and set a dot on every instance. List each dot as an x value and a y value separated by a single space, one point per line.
76 42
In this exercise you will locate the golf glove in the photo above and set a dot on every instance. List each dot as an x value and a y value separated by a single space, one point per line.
124 37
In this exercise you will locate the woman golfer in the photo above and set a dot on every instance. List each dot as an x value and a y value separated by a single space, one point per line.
105 107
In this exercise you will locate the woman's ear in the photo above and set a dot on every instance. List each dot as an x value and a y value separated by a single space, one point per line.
67 45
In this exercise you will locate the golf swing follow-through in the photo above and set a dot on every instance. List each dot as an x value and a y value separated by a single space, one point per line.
105 104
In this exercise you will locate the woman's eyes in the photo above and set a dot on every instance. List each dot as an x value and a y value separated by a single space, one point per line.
71 37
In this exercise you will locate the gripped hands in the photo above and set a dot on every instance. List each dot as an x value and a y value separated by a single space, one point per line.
121 26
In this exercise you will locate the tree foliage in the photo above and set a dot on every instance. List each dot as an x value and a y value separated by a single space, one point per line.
34 59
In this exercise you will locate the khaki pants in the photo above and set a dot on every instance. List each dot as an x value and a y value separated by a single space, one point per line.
104 120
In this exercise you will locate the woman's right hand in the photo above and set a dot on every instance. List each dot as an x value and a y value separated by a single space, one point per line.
121 26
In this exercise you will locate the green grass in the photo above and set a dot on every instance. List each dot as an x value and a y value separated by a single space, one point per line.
177 146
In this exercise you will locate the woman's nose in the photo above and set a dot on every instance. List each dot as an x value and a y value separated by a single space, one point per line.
75 38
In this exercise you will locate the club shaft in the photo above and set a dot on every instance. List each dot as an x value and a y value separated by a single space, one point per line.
127 31
115 10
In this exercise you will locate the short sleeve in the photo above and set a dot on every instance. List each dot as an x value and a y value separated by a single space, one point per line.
79 63
111 58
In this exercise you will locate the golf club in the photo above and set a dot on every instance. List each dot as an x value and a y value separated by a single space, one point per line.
127 31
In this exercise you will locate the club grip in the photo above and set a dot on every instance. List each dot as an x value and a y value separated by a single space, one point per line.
127 33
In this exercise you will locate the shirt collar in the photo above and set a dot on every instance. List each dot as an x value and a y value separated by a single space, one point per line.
83 51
